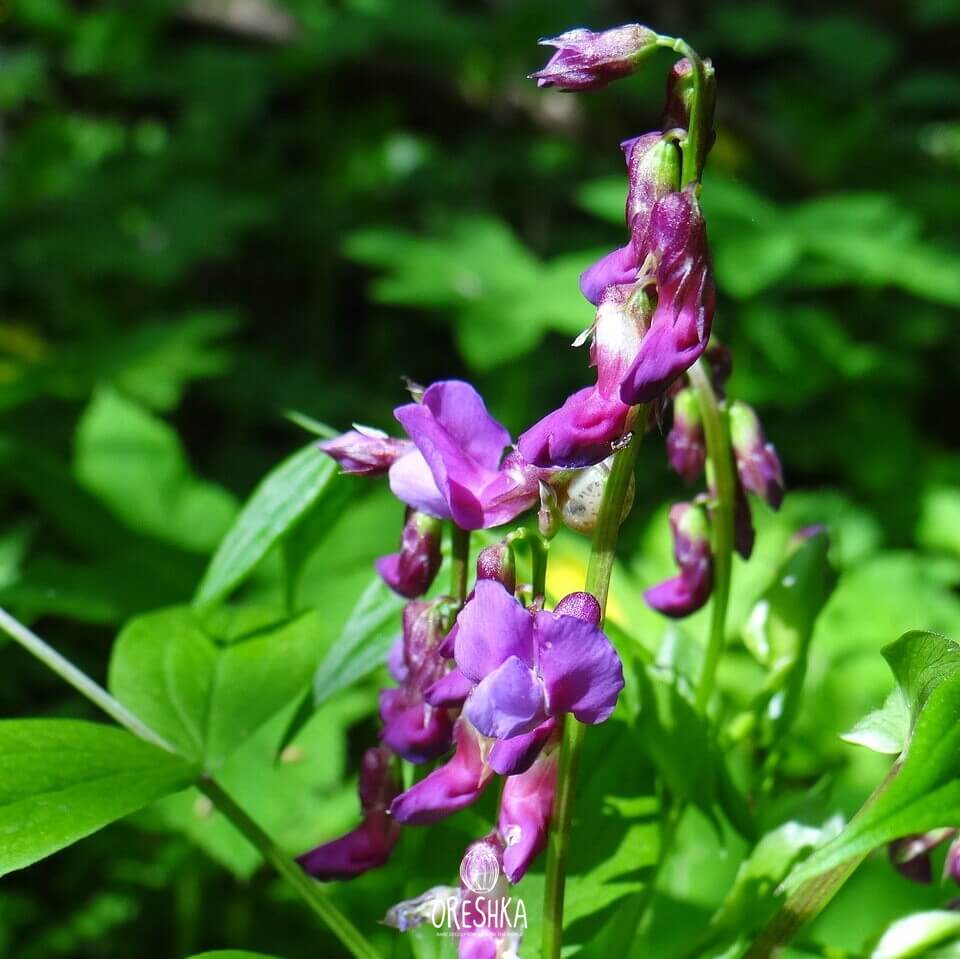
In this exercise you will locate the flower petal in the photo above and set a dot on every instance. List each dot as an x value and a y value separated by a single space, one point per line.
412 483
450 691
616 268
509 757
363 849
581 670
491 628
508 702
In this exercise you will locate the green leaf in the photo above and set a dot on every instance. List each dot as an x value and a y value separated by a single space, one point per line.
64 779
273 509
207 686
363 644
924 792
914 935
135 464
232 954
885 730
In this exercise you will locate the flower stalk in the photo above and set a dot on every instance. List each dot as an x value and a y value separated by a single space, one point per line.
599 571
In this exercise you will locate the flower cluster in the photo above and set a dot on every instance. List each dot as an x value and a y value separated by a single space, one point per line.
489 677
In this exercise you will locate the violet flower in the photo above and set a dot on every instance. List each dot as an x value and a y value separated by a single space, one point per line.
411 571
372 842
757 462
449 788
526 807
586 60
689 591
530 665
365 451
910 855
456 471
686 443
412 727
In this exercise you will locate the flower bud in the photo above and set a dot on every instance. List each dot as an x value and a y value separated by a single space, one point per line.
688 592
910 855
526 806
586 60
497 562
757 462
365 451
744 534
549 519
686 444
372 842
412 571
653 167
449 788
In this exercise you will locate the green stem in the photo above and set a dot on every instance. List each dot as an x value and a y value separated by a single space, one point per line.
717 434
599 570
459 561
305 887
308 889
694 143
539 555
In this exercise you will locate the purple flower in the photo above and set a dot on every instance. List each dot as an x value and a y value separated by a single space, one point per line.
688 592
365 451
677 240
757 462
910 855
412 571
413 728
372 842
526 806
497 563
676 111
456 471
586 60
743 531
449 788
530 665
686 444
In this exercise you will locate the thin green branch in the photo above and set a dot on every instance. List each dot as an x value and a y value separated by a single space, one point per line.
459 561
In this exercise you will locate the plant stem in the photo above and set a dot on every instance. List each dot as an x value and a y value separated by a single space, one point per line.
305 887
721 460
79 680
308 889
539 555
605 537
459 561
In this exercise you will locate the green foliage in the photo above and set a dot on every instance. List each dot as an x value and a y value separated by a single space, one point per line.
64 779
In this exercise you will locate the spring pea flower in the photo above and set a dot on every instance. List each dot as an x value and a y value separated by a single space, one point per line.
458 470
412 727
686 593
758 465
686 443
589 60
411 572
365 451
531 665
371 843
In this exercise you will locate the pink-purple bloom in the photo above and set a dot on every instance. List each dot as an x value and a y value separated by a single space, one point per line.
687 592
372 842
531 665
458 470
412 571
412 727
587 60
757 462
365 451
526 807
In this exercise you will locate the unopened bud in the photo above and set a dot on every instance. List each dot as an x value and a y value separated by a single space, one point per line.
365 451
653 167
686 593
757 462
686 444
412 571
549 519
497 562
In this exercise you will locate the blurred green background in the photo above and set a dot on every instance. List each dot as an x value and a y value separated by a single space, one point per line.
215 211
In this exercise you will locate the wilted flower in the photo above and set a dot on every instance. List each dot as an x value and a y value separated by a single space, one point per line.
757 462
411 571
526 806
586 60
412 727
365 451
451 787
686 444
370 844
530 665
687 592
456 471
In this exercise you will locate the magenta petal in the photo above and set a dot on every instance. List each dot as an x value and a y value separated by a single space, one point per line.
415 731
363 849
460 411
508 702
412 483
581 670
616 268
509 757
491 628
577 435
447 789
526 807
450 691
678 596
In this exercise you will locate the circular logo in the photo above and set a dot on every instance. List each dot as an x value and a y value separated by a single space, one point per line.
480 868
